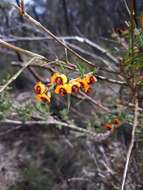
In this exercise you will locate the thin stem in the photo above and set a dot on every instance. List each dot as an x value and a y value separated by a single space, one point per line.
41 27
135 123
14 77
126 5
19 50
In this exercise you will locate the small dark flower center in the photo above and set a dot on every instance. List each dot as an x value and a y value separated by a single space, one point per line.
109 127
91 80
116 121
81 84
62 92
75 89
38 90
43 99
89 90
58 80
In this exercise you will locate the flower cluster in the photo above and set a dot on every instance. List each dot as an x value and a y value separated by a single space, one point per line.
60 84
42 92
115 123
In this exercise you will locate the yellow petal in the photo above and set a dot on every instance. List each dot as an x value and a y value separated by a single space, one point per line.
75 86
43 98
63 89
58 79
53 77
64 78
40 88
91 79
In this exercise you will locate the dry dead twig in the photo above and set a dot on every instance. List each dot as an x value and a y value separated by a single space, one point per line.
14 77
53 121
135 123
83 40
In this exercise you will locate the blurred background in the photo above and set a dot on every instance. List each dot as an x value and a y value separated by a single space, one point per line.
41 157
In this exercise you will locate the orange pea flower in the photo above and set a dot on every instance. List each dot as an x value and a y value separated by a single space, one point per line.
114 124
91 79
58 79
116 121
109 126
40 88
85 86
63 89
43 97
75 86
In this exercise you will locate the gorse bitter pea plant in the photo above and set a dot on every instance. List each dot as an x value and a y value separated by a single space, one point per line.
60 84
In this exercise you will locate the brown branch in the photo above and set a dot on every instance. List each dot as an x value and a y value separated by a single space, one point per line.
107 63
48 66
111 80
83 51
27 53
67 38
52 121
19 50
86 97
14 77
41 27
135 123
